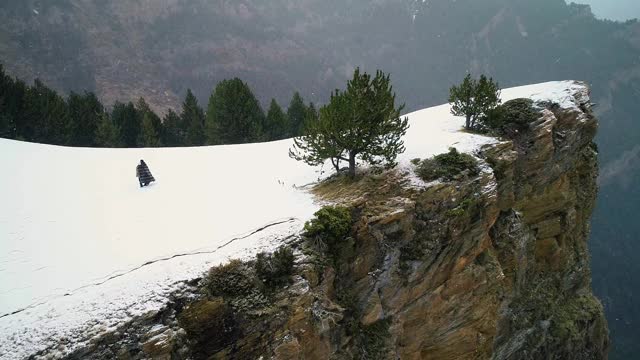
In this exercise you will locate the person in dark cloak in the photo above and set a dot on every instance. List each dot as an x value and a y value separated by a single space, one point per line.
143 174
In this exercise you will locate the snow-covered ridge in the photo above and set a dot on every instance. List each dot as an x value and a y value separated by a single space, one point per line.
83 248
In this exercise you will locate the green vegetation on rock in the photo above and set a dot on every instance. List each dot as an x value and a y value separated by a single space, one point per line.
330 225
447 166
210 325
201 315
461 209
275 269
374 340
510 118
235 278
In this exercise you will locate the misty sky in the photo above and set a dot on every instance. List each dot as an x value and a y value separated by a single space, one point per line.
613 9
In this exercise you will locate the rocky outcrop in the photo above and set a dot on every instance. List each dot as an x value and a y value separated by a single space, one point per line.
493 266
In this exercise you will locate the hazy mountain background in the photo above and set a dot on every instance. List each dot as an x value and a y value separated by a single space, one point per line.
614 9
124 49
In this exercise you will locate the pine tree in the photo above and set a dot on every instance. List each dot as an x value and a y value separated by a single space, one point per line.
473 99
107 133
85 113
145 110
192 119
7 125
173 134
312 115
149 135
234 115
319 143
296 113
13 106
47 116
359 123
7 113
277 125
127 119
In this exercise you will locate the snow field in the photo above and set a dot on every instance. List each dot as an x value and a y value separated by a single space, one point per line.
83 248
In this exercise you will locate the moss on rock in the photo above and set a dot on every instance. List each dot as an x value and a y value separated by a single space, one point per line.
232 279
210 326
447 166
511 117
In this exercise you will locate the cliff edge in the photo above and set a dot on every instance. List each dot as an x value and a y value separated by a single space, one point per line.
486 266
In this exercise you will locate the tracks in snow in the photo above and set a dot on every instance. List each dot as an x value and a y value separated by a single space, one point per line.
163 259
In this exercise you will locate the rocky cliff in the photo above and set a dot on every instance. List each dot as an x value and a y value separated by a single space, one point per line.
487 266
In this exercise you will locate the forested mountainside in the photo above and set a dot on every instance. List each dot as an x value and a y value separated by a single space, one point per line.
127 49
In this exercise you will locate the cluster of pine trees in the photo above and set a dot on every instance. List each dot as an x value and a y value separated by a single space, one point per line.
39 114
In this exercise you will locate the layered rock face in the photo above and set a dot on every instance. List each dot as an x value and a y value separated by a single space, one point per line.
493 266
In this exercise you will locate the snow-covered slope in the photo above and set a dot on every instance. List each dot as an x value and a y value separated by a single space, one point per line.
83 248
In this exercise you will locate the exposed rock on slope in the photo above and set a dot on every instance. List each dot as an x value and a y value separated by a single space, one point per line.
493 266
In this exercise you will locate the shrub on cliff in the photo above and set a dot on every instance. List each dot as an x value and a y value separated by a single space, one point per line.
275 269
330 224
447 166
232 279
511 117
209 325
